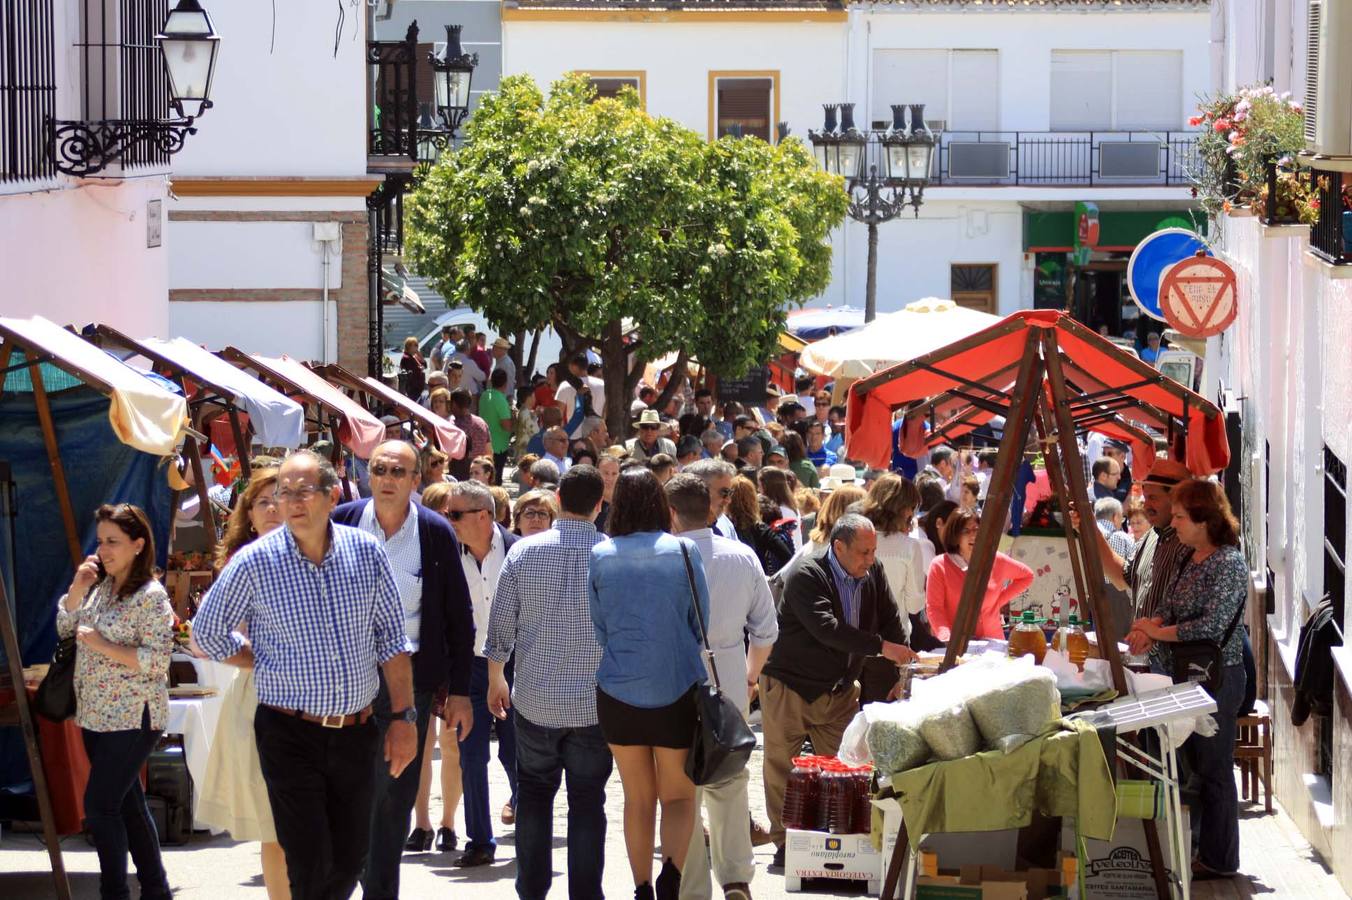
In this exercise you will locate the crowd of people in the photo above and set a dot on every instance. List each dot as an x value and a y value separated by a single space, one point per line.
542 593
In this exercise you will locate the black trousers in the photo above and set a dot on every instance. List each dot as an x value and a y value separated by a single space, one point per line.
320 784
392 804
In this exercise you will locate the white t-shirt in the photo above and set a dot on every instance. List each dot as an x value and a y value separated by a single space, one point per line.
567 395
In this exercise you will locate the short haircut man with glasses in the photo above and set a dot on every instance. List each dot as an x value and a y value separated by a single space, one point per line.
438 618
483 547
541 617
326 625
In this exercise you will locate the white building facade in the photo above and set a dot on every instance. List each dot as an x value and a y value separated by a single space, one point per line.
1027 97
79 248
1285 368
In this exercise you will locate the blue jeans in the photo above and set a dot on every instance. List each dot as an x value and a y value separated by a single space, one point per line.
543 756
116 813
1217 825
475 754
393 801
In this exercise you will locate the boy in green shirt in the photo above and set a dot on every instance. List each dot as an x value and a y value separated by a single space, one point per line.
497 412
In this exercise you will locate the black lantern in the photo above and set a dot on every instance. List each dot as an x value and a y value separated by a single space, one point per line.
839 149
454 70
189 45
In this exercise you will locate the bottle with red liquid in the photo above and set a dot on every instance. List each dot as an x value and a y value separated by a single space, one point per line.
842 799
802 794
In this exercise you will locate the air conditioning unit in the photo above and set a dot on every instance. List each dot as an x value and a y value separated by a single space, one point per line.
1328 78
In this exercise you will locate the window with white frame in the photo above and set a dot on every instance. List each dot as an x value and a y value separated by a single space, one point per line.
960 88
1116 90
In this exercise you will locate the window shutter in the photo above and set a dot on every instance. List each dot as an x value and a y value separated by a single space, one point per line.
745 102
426 84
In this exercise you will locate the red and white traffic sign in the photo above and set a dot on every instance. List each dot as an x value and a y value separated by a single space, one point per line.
1198 296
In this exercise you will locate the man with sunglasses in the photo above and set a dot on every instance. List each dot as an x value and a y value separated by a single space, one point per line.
483 547
325 626
439 622
717 474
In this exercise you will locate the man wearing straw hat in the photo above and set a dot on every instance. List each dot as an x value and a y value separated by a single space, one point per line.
649 442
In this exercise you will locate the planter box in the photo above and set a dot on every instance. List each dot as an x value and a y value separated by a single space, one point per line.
844 857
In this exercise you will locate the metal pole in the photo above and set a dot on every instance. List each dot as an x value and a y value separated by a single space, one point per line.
871 291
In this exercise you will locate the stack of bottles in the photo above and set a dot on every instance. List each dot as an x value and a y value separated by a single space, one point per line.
825 794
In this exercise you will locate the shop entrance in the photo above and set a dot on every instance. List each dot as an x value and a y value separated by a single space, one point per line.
1101 298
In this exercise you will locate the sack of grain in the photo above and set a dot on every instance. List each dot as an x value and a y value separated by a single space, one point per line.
894 740
1021 703
950 732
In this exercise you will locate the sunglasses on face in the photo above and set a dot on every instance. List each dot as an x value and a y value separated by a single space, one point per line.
380 470
455 515
725 492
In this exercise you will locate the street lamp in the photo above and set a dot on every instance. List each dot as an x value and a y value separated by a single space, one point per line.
453 72
905 157
189 46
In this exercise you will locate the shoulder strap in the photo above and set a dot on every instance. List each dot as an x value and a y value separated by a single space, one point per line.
1234 622
699 616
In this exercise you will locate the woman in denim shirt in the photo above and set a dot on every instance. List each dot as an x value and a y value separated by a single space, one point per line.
1203 601
642 610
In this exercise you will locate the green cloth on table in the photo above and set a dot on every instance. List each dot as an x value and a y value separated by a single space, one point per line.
1060 773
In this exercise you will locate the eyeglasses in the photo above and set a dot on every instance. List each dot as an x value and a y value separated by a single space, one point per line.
300 495
725 492
264 503
380 470
534 514
455 515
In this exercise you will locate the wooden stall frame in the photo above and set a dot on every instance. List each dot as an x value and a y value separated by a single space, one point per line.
408 412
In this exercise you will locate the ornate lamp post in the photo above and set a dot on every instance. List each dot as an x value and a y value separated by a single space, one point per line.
884 170
453 71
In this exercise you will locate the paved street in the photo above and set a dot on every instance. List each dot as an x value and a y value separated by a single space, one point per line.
1279 863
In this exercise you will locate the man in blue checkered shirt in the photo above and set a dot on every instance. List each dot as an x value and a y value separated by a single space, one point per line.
541 611
322 611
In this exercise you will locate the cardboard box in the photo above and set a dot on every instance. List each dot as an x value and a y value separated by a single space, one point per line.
1120 869
996 883
817 854
977 848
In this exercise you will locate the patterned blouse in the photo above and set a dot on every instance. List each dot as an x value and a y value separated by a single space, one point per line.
111 696
1203 601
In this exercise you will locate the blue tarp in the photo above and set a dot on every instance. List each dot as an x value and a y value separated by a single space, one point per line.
99 469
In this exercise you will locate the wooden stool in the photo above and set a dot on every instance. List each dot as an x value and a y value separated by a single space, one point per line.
1253 754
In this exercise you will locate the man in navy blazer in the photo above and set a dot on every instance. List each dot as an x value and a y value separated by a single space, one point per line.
424 555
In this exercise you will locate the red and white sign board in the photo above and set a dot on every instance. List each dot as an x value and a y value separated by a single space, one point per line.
1198 296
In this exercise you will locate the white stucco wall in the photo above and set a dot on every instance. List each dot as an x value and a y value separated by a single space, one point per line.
293 328
296 109
79 255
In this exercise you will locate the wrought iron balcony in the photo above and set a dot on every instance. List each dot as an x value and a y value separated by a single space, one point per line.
1331 236
1066 158
392 138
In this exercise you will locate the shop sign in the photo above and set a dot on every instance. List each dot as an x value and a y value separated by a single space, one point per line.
1152 256
1198 296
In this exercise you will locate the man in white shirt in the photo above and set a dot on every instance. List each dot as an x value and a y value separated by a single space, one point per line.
717 475
740 605
484 546
555 442
502 361
566 395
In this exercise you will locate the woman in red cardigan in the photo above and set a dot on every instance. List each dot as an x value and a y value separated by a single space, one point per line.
943 587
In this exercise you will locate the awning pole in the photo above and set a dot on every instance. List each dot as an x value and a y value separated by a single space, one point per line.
54 458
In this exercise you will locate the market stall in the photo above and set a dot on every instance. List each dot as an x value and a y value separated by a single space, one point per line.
444 433
328 408
1049 377
142 416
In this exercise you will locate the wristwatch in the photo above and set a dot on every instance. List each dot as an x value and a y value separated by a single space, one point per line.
408 714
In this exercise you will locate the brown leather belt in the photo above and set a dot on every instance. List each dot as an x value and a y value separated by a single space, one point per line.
334 721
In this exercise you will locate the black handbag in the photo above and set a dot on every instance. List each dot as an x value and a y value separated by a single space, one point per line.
55 697
723 741
1203 662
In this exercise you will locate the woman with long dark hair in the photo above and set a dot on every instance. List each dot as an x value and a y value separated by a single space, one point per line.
776 484
123 626
234 797
1205 598
772 549
645 619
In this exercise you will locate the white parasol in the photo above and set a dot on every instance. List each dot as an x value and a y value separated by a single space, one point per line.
919 328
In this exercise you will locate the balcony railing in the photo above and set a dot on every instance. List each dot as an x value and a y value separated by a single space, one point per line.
1329 237
1278 206
1067 158
392 138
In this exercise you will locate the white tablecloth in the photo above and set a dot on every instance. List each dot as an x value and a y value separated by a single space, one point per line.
187 718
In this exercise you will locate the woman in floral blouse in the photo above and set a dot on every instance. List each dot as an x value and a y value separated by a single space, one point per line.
1204 600
124 632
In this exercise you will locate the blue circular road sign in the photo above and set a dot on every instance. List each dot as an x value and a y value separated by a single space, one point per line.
1152 256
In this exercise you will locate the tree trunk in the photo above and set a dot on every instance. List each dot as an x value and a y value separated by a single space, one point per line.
679 374
515 353
615 371
529 369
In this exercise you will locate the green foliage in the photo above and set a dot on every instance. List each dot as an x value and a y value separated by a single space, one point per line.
583 213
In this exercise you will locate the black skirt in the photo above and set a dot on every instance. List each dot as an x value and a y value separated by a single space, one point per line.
671 726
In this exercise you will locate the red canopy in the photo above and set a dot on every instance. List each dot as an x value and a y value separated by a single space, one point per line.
966 384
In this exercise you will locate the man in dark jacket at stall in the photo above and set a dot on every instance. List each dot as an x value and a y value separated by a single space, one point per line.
424 556
836 610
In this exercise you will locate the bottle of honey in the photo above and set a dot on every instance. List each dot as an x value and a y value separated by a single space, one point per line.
1071 641
1027 637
